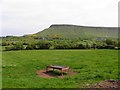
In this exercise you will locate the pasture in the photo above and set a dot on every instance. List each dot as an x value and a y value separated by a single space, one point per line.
19 67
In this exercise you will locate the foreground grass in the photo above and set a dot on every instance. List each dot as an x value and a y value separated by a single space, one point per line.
19 67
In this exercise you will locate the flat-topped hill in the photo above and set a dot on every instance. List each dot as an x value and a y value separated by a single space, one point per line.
75 31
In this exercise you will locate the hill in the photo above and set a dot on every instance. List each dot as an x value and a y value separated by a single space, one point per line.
65 37
74 31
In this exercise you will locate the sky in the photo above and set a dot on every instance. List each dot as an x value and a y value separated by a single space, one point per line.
21 17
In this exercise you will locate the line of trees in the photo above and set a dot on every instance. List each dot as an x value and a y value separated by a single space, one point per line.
64 44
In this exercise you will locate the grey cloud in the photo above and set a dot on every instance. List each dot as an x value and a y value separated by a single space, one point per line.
29 16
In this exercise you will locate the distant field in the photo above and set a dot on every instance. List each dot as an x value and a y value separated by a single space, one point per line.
19 67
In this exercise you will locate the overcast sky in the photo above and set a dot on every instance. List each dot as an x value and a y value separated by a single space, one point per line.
21 17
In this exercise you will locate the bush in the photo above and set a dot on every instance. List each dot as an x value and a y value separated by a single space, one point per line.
30 47
17 46
52 47
43 45
5 43
64 44
110 42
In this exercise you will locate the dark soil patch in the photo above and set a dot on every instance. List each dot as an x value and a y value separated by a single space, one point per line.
52 74
106 84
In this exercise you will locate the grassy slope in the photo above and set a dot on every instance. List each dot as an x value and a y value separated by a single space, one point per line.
72 31
68 31
19 67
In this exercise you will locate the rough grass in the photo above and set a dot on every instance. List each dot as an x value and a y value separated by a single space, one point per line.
73 31
19 67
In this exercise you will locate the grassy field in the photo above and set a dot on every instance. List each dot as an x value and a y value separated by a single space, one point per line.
19 67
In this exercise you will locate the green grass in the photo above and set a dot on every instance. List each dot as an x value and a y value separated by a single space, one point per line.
73 31
19 67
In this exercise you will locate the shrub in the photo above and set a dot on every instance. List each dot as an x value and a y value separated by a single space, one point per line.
17 46
52 47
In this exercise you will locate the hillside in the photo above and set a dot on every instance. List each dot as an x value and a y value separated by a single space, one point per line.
67 32
65 37
74 31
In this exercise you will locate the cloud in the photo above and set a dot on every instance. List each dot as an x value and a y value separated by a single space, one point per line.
29 16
